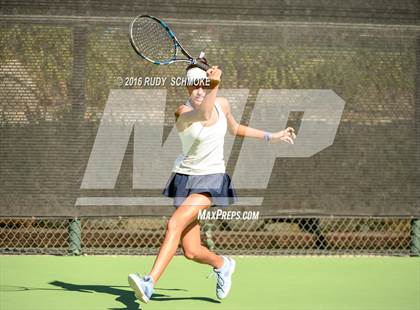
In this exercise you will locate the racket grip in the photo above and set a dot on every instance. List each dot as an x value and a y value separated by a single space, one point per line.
202 65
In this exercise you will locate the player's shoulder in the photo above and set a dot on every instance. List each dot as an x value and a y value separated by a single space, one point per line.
224 104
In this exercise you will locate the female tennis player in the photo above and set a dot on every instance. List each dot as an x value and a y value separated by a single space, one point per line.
198 180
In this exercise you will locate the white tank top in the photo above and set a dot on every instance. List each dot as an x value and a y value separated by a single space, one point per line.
202 147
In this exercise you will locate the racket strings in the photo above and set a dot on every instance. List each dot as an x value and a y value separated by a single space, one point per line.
152 40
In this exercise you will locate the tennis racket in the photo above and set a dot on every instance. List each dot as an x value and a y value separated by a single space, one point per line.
154 41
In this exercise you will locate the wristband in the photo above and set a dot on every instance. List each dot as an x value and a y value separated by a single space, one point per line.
214 83
267 136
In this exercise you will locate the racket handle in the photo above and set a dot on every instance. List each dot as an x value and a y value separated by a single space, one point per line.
202 65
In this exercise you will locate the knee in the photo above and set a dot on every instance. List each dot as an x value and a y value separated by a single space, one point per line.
174 226
191 254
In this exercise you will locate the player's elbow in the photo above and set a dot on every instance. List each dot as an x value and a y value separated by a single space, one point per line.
233 130
178 112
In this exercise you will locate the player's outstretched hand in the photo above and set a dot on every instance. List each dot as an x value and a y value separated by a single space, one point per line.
286 135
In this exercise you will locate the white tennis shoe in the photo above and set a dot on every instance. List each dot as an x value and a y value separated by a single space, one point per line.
224 277
142 286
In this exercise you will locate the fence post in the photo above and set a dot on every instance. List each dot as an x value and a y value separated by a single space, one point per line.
415 237
75 237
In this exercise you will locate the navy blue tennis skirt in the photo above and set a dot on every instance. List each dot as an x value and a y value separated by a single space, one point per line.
219 185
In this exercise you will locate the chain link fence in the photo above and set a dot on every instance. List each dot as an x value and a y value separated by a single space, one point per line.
265 236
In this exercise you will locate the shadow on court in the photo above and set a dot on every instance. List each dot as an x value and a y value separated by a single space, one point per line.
125 296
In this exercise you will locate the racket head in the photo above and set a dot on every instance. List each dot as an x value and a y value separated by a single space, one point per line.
153 40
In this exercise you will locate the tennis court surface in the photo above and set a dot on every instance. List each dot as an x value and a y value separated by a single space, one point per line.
298 283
